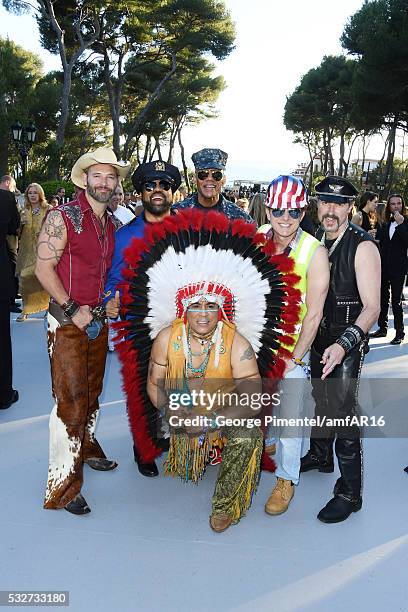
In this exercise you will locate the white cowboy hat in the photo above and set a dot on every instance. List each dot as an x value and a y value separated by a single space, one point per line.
103 155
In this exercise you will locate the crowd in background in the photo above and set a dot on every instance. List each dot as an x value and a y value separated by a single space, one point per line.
368 213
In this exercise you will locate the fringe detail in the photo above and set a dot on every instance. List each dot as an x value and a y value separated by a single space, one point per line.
217 338
187 458
241 499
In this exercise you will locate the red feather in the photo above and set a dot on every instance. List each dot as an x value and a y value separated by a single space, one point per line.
267 463
243 228
216 221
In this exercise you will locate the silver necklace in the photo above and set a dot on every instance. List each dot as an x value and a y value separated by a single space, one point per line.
336 242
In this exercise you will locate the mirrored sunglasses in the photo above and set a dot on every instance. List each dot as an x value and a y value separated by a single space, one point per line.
293 212
150 185
217 175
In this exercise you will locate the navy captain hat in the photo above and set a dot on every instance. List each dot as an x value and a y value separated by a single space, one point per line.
156 170
213 159
336 189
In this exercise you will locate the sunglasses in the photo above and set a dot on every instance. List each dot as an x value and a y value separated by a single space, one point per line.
150 185
294 213
217 175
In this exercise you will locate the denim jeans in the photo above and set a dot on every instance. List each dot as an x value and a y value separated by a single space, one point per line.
290 440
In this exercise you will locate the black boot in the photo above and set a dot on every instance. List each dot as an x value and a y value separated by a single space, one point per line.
399 337
339 509
319 457
78 506
347 490
380 333
146 469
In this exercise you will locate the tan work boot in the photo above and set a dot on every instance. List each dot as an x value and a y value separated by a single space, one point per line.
279 500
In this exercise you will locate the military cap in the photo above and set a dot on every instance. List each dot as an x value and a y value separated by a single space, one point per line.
336 189
210 158
156 170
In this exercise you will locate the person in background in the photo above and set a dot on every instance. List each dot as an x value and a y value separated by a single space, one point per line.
243 203
9 224
60 193
311 214
122 214
183 192
7 183
34 298
366 217
127 199
257 209
54 201
393 244
380 212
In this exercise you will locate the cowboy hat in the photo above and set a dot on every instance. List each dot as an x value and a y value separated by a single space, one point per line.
103 155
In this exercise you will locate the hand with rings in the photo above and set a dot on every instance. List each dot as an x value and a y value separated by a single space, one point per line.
332 356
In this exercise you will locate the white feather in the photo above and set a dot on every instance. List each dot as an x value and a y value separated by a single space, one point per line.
177 270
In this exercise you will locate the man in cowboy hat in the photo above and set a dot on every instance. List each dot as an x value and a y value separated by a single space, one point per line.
74 254
210 176
156 182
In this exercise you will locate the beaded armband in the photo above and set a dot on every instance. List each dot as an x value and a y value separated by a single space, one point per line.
350 338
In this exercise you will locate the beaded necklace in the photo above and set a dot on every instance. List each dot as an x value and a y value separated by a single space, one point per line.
200 371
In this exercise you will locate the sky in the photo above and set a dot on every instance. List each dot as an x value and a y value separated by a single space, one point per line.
276 43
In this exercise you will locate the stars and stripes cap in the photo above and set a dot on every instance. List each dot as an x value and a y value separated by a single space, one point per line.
286 191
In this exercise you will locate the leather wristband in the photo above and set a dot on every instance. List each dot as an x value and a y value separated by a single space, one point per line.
70 308
351 337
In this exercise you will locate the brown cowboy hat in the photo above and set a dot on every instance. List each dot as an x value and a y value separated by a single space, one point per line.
103 155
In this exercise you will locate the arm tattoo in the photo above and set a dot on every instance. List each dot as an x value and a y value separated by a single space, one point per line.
54 229
54 225
248 353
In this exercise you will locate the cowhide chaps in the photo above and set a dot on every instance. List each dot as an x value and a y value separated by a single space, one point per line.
77 370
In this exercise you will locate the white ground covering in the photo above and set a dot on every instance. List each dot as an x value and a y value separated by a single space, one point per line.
147 545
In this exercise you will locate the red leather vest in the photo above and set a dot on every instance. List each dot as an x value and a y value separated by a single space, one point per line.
87 257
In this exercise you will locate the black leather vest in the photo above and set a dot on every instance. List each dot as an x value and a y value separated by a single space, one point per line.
343 304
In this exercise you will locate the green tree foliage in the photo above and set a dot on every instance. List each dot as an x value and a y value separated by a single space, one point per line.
320 110
20 71
378 35
145 37
140 66
75 33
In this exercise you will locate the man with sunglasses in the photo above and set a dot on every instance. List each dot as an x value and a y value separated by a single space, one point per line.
351 307
209 167
156 182
285 206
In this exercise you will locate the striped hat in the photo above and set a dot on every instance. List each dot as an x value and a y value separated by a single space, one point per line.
286 191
